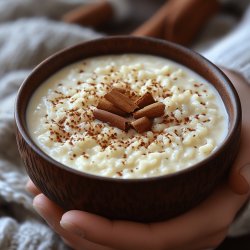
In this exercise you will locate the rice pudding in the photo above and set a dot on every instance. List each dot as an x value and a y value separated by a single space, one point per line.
62 123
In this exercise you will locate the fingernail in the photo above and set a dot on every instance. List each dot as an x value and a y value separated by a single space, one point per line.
245 173
72 228
37 209
37 205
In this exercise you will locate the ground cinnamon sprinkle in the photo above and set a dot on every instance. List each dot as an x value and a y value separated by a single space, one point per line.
75 130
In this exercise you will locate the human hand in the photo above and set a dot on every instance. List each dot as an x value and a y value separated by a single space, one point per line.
236 181
203 227
200 228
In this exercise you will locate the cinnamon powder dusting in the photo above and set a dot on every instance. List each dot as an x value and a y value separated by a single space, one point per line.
119 115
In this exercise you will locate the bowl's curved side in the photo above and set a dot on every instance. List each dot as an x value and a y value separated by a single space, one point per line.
139 201
147 200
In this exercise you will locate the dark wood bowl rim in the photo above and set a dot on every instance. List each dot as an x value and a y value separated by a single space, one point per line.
222 78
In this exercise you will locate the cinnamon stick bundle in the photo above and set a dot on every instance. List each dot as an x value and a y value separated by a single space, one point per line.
115 105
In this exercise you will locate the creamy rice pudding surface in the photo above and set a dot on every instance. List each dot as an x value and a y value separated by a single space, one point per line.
61 121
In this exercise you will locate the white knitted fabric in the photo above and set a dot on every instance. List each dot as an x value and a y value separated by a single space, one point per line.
27 36
23 44
233 51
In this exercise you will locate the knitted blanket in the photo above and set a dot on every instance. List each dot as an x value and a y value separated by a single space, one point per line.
20 227
29 32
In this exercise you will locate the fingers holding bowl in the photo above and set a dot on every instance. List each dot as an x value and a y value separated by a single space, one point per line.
239 178
31 188
52 214
209 222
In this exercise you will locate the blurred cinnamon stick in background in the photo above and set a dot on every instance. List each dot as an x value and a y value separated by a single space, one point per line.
188 19
179 20
91 15
155 25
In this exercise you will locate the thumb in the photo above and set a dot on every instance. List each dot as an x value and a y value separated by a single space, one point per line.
239 178
102 231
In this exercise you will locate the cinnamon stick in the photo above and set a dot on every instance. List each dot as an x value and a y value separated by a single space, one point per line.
179 20
123 91
145 100
92 14
121 101
150 111
187 18
112 119
155 25
142 124
108 106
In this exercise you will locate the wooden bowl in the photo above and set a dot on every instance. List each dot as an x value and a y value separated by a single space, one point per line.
146 200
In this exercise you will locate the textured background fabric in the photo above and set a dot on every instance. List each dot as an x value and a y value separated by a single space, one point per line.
233 51
24 42
30 32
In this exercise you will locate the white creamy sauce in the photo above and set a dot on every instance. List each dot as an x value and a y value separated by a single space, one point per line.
60 117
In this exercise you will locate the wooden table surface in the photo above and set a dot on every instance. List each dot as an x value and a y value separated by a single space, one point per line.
147 8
